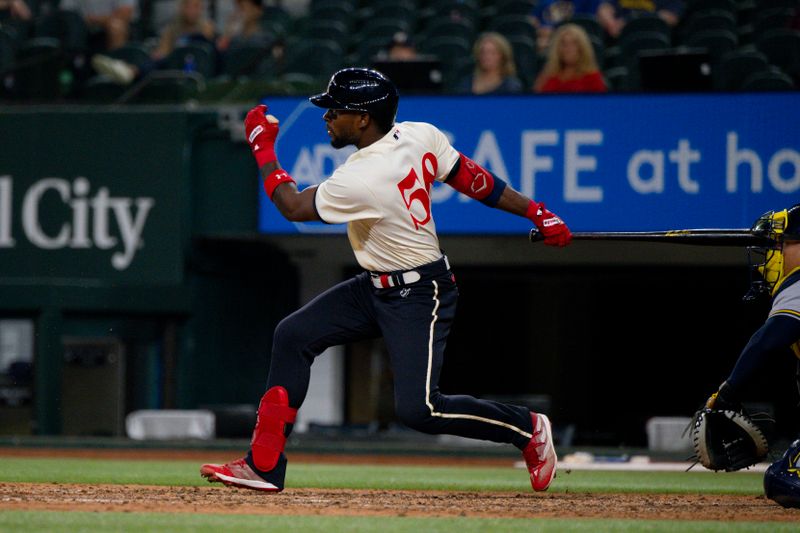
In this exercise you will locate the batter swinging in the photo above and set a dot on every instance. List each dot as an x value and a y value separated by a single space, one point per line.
406 293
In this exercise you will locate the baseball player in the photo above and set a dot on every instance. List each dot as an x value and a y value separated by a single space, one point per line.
780 275
406 293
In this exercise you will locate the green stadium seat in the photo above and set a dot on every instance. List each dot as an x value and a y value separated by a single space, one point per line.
717 42
38 64
771 79
782 48
133 53
736 66
195 57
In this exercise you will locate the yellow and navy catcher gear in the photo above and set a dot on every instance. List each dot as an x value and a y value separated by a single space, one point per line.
782 478
766 263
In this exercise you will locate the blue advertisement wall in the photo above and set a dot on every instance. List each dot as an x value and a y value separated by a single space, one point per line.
602 162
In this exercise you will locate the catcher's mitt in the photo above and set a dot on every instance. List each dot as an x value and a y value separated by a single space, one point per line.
726 440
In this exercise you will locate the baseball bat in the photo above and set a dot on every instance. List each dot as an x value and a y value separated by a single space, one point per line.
702 237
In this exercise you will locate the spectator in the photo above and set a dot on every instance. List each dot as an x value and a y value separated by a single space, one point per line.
549 14
245 27
108 20
190 25
613 15
571 65
495 72
14 10
401 48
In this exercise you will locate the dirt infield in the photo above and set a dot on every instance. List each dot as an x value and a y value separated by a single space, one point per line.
216 499
221 500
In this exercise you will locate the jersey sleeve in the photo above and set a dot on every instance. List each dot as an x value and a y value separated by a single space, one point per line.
446 155
344 197
787 302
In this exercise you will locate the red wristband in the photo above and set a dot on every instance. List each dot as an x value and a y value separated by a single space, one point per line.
272 181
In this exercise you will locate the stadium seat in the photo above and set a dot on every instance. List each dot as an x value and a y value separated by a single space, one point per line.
710 19
66 26
38 65
453 10
510 25
332 30
717 42
767 4
165 87
343 4
526 58
772 18
782 48
402 11
381 27
700 5
639 41
444 27
102 90
8 47
515 7
245 60
195 57
736 66
447 49
332 10
367 49
589 24
299 83
276 21
771 79
460 69
617 79
644 23
132 53
317 58
612 57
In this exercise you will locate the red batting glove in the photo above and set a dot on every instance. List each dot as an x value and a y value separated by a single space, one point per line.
261 134
555 232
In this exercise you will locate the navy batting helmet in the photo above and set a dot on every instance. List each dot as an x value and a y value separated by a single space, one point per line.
361 89
782 478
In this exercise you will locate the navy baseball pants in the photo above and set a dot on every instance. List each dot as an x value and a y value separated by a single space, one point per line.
414 320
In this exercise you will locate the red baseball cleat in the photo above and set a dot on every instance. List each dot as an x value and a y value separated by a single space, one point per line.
237 474
540 455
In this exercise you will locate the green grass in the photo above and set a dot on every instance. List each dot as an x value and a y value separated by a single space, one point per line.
36 522
185 473
380 477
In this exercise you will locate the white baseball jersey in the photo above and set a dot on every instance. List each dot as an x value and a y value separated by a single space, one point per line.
382 192
787 301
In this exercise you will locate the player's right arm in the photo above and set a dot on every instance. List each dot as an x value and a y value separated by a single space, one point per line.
261 132
468 177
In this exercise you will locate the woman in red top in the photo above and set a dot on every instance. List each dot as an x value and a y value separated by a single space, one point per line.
571 66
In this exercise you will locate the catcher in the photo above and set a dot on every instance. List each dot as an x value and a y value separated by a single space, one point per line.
724 436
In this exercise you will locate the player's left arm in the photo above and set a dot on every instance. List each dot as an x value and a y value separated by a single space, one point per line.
772 340
261 131
469 178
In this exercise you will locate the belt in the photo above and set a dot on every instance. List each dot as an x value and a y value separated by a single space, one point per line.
400 278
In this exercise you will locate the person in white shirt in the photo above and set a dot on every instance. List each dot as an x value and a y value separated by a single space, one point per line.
406 294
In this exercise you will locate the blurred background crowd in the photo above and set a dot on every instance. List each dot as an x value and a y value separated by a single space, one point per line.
103 50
